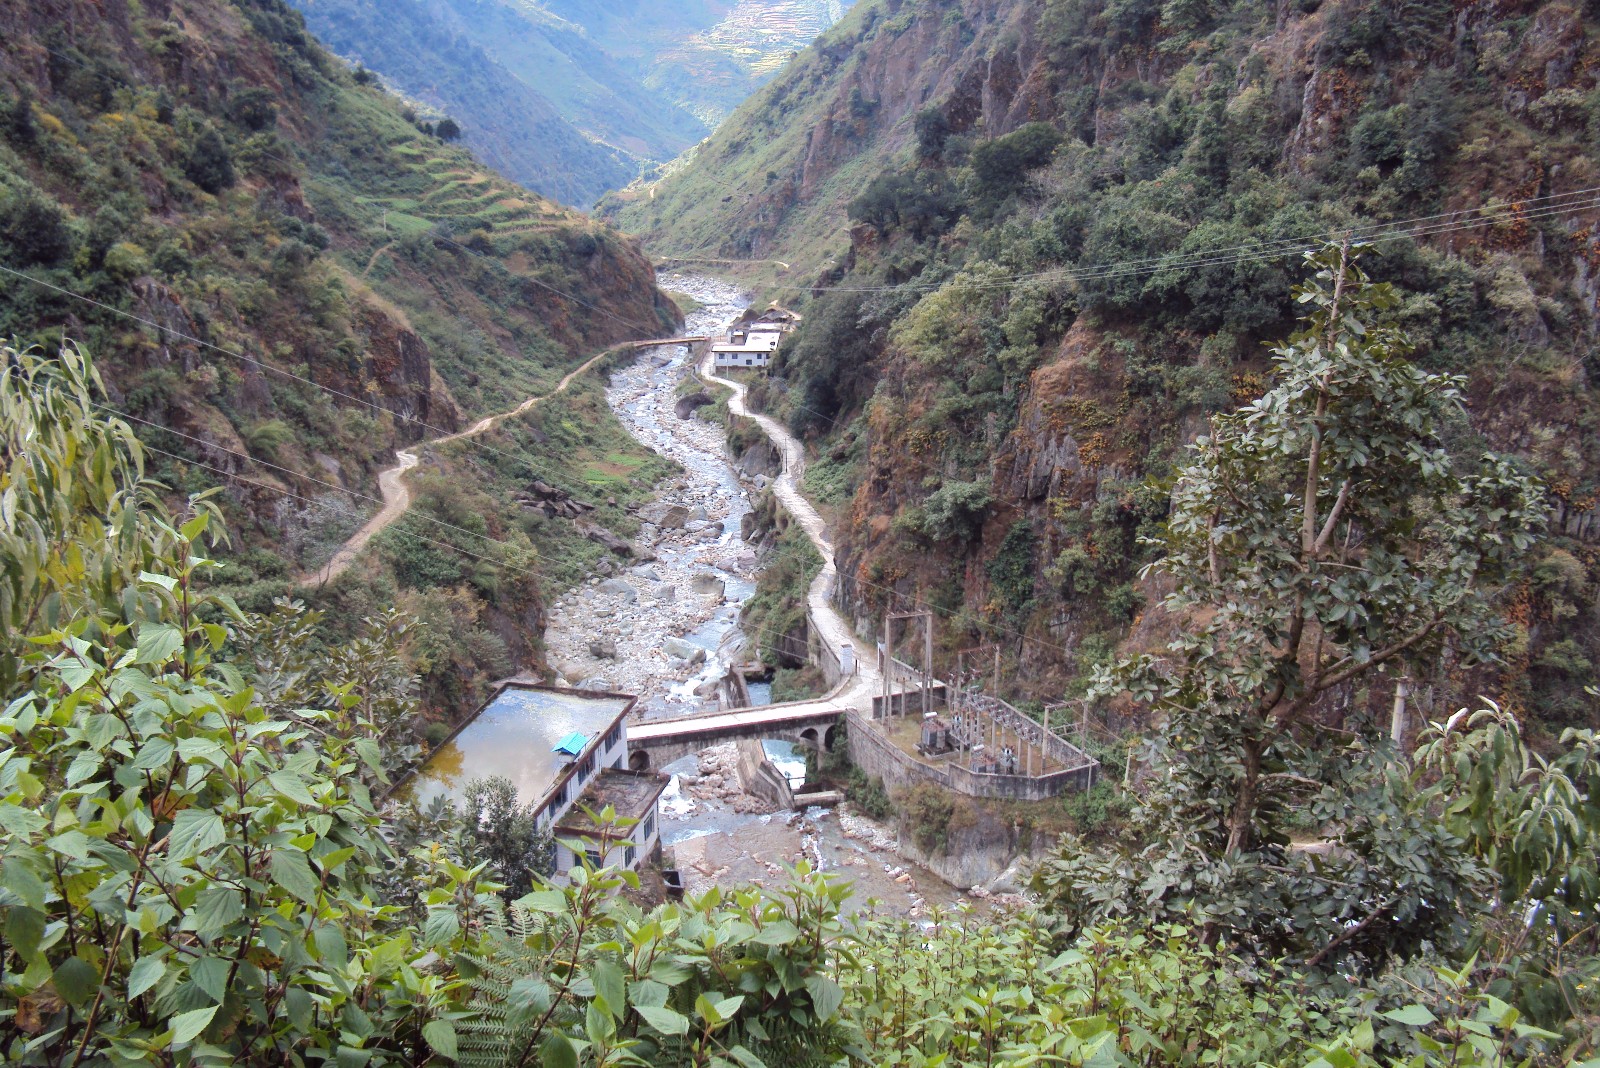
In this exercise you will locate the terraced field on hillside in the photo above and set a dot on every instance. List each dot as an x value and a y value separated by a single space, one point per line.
466 202
712 71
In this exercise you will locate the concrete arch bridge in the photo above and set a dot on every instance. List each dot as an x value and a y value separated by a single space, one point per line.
653 744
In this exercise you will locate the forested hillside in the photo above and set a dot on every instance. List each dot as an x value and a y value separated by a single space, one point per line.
282 278
1049 237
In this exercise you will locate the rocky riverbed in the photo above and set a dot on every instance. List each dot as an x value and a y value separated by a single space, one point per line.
720 835
667 628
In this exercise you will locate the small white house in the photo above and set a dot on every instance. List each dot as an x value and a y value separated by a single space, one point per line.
743 355
566 751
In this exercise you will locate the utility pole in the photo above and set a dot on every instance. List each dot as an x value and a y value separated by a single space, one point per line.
1397 718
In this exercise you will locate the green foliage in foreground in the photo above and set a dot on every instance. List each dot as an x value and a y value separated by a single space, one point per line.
193 871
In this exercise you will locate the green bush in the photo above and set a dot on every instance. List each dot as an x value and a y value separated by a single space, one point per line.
956 510
208 163
34 230
867 794
927 811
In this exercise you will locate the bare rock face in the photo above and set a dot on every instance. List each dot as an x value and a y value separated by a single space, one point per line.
401 364
760 459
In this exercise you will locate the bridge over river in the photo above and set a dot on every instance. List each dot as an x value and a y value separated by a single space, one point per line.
859 693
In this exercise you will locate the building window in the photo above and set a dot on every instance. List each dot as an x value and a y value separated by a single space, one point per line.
627 857
649 827
595 857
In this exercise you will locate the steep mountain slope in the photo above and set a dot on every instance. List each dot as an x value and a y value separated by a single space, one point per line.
571 97
536 100
1040 226
281 279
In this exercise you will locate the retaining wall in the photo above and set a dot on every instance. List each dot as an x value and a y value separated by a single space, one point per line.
760 778
882 759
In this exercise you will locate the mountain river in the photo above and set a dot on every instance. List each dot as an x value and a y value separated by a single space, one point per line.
667 630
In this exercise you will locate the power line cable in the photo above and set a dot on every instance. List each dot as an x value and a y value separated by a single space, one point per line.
1543 208
440 432
300 475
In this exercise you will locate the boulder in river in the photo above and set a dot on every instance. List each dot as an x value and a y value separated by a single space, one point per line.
708 585
682 649
619 588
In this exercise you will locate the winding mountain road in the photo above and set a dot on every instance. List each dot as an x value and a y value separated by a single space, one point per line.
859 689
392 481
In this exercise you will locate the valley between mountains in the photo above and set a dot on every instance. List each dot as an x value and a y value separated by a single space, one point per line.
800 534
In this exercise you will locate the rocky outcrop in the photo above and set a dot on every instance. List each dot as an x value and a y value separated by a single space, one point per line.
398 360
556 503
981 848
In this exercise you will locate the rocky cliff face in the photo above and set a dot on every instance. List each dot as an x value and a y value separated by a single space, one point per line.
1044 239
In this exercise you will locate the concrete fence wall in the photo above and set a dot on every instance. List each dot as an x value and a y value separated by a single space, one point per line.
882 759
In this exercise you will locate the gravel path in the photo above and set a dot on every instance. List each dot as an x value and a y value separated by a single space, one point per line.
397 495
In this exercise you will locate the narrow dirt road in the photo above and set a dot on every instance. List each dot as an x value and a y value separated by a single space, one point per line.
868 681
392 480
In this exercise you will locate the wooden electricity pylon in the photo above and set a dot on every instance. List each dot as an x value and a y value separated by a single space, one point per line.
889 618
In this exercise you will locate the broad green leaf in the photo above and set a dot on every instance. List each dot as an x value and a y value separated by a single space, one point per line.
20 880
441 1036
440 927
609 986
24 929
331 946
558 1052
664 1019
74 844
210 974
186 1026
166 582
76 980
777 934
195 830
146 973
1411 1015
826 995
292 871
216 907
158 643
